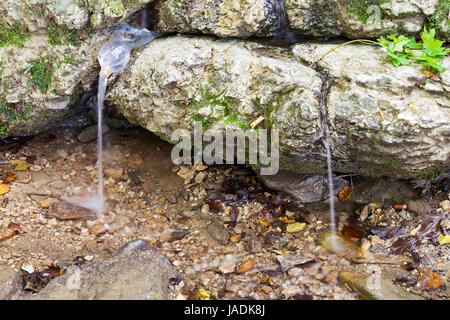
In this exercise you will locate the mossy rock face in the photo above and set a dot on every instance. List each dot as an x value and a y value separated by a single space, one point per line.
322 18
38 15
375 131
224 18
40 83
359 18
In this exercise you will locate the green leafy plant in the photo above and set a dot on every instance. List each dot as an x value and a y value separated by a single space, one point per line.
402 50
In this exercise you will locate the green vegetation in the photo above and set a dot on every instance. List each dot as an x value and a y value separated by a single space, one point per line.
41 72
14 36
63 35
74 97
10 114
402 50
226 105
358 8
431 173
70 59
440 16
269 108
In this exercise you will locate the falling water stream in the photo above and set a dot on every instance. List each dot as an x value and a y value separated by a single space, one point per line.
113 57
288 35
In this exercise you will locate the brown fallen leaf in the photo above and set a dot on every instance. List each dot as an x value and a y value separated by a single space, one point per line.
430 224
16 227
6 233
387 233
215 206
345 194
236 238
352 232
246 266
405 244
435 281
4 188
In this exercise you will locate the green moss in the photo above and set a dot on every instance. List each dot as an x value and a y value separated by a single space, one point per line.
205 123
235 119
431 173
13 36
10 114
70 59
41 72
358 8
63 35
227 105
269 109
440 17
74 97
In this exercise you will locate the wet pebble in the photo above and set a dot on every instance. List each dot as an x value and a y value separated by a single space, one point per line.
218 232
65 210
90 133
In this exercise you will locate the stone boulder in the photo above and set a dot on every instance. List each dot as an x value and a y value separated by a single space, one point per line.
320 18
10 283
42 16
135 271
367 19
41 83
383 120
228 18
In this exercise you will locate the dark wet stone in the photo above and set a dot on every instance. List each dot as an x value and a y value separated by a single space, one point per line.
379 190
171 198
306 188
90 133
173 235
64 210
136 271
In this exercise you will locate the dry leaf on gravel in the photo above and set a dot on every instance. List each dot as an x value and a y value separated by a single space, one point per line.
246 266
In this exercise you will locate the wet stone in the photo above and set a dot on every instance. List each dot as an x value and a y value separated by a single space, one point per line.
288 261
89 134
64 210
306 188
218 232
373 288
10 283
136 271
173 235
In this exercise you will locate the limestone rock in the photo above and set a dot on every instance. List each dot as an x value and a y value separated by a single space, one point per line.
323 18
135 271
228 18
383 120
34 100
39 15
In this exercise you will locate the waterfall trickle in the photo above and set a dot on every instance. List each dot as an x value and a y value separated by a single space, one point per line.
113 57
